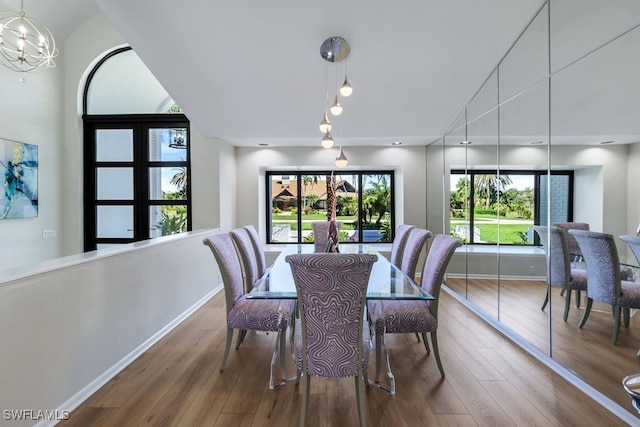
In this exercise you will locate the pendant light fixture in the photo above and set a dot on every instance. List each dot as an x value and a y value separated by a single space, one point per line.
325 124
327 140
336 108
333 50
346 89
341 160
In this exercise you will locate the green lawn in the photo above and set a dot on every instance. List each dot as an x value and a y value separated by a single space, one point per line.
508 232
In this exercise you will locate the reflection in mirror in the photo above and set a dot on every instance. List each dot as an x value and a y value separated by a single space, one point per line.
556 127
527 63
524 128
595 100
579 26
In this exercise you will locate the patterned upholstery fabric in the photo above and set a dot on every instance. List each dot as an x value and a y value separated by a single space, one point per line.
604 281
400 239
603 268
561 274
242 313
321 234
331 298
257 246
417 316
411 253
574 247
244 245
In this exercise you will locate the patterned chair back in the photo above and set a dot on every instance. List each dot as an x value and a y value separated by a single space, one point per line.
442 248
332 290
399 241
572 244
257 246
634 244
603 266
321 234
412 249
225 254
557 252
247 253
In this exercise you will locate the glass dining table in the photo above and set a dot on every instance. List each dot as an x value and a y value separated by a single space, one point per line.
386 282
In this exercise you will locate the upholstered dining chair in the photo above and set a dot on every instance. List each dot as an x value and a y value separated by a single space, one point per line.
399 240
248 314
412 249
575 253
332 339
248 257
259 250
560 274
604 282
415 316
321 234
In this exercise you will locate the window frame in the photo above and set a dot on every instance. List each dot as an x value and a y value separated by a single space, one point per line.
298 174
537 174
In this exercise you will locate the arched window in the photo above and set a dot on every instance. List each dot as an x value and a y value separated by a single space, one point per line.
136 155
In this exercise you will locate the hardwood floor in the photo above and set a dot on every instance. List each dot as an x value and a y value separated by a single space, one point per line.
489 382
588 351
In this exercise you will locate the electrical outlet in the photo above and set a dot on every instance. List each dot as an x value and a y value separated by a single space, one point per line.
49 234
532 269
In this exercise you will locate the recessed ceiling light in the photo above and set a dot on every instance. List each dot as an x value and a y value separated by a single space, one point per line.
396 143
263 144
465 142
606 142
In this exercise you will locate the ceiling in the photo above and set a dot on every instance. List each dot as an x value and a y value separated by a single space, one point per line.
250 71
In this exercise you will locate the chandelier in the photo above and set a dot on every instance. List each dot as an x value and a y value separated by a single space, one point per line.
178 137
335 49
25 43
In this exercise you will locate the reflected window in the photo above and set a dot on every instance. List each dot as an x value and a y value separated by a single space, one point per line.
363 202
487 207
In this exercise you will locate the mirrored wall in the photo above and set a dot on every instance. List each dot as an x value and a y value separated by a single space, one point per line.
551 136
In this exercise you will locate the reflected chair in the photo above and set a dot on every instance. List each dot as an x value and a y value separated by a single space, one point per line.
333 337
321 234
560 273
604 283
248 314
399 240
259 250
634 244
415 316
412 249
575 253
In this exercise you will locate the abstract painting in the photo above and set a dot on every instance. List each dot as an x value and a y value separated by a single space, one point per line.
19 175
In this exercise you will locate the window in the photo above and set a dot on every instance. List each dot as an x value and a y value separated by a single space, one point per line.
136 156
487 207
364 205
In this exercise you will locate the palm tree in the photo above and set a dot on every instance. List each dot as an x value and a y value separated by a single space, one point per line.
180 181
306 181
490 186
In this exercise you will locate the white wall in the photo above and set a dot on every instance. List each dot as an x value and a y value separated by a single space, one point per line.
633 195
70 327
30 112
408 162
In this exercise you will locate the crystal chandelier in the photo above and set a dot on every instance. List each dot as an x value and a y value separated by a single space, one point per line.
25 43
